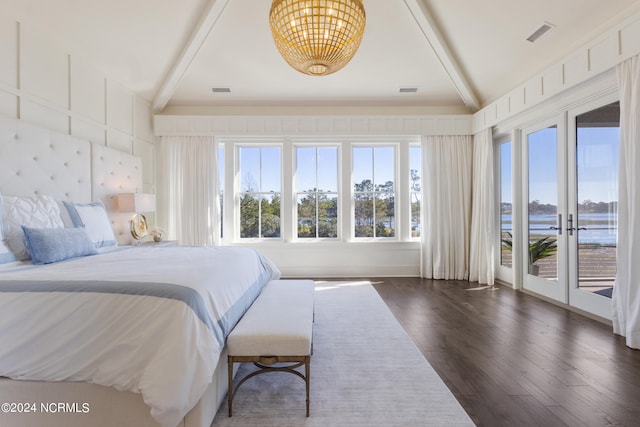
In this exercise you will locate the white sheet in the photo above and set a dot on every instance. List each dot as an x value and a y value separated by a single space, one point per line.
152 345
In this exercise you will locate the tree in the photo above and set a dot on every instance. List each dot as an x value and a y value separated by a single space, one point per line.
374 201
270 216
317 215
259 216
415 202
307 216
327 215
249 214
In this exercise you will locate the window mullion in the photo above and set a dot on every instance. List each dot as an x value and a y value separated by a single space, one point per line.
403 194
346 213
317 197
288 195
233 188
374 193
260 193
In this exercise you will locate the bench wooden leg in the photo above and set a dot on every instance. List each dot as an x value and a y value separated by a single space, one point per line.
307 370
263 363
230 392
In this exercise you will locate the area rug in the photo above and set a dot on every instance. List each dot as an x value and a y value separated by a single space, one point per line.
365 371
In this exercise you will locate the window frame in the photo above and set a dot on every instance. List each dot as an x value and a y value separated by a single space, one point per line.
396 189
297 192
419 193
288 218
238 192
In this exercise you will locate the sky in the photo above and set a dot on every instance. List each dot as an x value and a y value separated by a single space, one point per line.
317 167
263 159
596 162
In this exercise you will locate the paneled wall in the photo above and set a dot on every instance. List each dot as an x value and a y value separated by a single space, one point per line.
46 85
218 125
591 62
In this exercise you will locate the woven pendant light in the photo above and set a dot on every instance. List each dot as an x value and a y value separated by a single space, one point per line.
317 37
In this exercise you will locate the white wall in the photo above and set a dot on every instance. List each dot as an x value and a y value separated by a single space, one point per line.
585 73
345 257
43 84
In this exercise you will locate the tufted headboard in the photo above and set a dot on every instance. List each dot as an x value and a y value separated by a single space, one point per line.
34 160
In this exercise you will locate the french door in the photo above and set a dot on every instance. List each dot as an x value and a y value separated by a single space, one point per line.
570 175
545 255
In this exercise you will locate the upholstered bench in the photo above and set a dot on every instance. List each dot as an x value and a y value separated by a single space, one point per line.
276 329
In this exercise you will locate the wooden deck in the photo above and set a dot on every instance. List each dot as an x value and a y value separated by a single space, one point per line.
596 266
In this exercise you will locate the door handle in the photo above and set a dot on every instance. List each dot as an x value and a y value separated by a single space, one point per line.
570 227
559 227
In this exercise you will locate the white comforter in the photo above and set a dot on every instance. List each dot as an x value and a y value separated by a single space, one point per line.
154 345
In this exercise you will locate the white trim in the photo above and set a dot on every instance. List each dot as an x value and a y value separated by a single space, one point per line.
580 298
587 64
208 20
502 272
557 289
301 126
436 40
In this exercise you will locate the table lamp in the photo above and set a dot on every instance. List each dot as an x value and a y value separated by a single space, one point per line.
137 203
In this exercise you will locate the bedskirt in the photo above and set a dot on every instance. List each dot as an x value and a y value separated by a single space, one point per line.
87 404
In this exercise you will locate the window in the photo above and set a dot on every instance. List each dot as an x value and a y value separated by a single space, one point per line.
597 169
374 191
221 186
415 187
506 222
301 190
260 192
317 191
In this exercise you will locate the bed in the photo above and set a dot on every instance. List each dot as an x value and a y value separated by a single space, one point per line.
95 332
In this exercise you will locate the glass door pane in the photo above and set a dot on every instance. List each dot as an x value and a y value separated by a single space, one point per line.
597 142
542 205
593 199
506 206
544 253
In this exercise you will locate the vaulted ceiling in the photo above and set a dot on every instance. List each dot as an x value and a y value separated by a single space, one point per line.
459 54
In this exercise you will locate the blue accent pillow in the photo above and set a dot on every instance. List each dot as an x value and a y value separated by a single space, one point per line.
47 245
93 218
5 253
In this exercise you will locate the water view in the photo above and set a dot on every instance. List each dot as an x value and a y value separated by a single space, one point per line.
596 239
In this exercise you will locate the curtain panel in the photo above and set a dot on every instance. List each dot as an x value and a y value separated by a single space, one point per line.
626 292
447 161
483 205
188 189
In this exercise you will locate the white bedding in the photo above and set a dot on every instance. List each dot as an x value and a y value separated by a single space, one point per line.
123 337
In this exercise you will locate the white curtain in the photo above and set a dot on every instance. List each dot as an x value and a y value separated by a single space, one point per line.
187 188
483 205
447 207
626 292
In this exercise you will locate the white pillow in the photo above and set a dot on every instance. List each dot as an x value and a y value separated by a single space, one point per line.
5 254
31 211
93 218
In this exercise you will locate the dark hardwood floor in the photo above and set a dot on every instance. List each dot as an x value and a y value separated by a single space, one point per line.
514 360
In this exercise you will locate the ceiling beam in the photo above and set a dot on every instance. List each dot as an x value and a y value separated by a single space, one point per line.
189 51
434 37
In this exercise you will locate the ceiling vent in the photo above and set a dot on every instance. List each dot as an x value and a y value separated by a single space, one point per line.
221 90
408 89
541 31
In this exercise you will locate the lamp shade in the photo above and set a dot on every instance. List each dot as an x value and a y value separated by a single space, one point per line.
136 202
317 37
